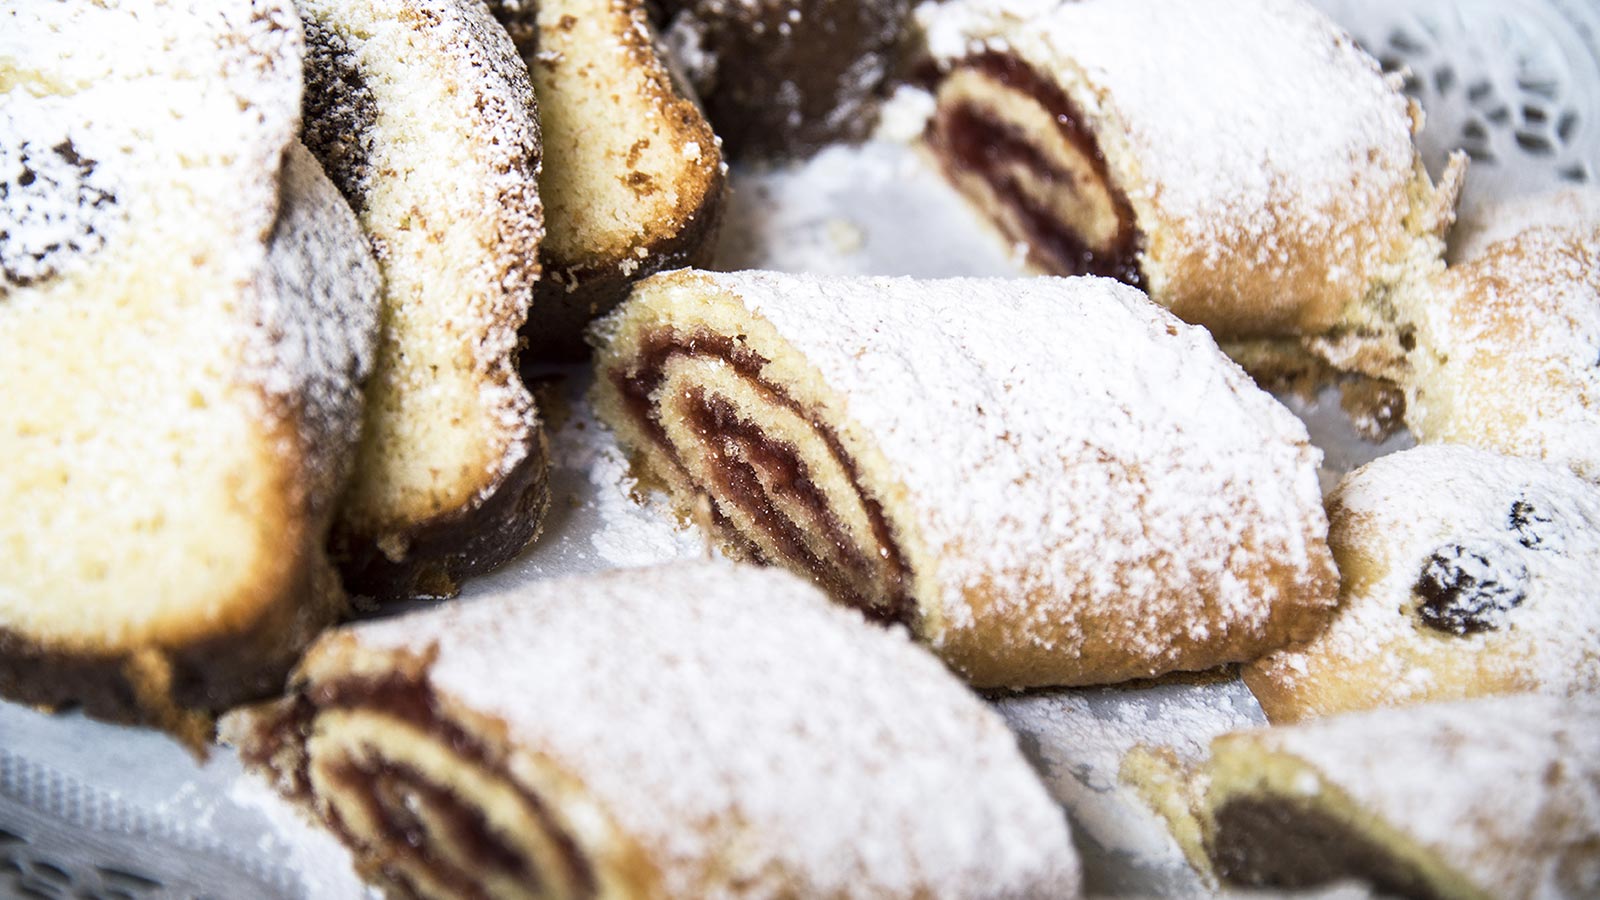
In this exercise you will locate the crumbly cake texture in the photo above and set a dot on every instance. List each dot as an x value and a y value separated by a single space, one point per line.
633 178
786 78
663 742
1484 798
184 334
1256 166
422 113
1507 353
1466 573
1053 481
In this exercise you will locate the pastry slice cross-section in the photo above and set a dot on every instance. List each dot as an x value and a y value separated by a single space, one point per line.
187 311
1052 481
422 113
633 177
643 734
1473 799
1244 162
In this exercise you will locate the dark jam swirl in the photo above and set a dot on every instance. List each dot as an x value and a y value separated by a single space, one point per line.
737 484
969 139
382 786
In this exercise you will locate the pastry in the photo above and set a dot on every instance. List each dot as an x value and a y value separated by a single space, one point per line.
784 78
1243 162
1465 573
183 333
1481 798
422 113
633 176
1051 481
1507 340
640 734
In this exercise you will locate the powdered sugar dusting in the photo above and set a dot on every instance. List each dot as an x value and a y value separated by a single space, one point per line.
1116 465
838 758
1506 791
1507 352
1535 526
317 305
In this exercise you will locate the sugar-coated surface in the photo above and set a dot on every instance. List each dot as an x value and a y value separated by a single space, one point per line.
1536 528
709 707
1505 791
1069 439
1508 340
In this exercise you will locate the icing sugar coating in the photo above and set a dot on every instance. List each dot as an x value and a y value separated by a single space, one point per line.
1465 573
1269 163
423 114
1507 353
1497 797
181 362
749 737
1087 490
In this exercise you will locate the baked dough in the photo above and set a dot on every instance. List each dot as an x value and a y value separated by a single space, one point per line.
1484 798
1465 573
1243 162
633 178
1507 352
422 113
1052 481
642 734
186 314
786 78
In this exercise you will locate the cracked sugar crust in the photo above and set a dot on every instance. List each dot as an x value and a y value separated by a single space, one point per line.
1269 162
810 752
1466 573
1507 353
1087 489
1503 791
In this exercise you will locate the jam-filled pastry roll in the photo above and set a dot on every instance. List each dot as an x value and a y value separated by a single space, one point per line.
1466 573
1508 338
422 113
1051 481
187 310
1471 799
1243 162
632 181
643 734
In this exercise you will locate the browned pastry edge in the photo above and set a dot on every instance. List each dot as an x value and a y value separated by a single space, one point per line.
442 551
812 50
179 687
555 328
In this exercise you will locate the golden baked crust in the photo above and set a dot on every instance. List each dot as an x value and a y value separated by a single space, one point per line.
633 177
1052 481
1506 341
639 734
423 113
183 378
1465 574
1243 162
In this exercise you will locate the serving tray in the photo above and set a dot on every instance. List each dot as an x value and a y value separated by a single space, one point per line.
95 810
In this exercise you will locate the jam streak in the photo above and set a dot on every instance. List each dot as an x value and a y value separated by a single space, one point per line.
380 787
967 139
737 481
